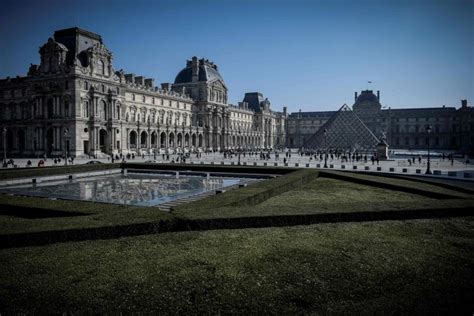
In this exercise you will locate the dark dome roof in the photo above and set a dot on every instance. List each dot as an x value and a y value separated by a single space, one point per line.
367 96
206 73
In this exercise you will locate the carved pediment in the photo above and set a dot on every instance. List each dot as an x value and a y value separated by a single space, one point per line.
219 84
99 50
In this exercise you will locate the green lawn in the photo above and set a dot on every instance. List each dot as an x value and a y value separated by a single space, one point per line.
396 267
323 195
299 192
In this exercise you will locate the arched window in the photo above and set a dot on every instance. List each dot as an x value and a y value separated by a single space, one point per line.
66 108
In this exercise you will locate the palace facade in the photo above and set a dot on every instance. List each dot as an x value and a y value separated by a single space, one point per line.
75 101
451 128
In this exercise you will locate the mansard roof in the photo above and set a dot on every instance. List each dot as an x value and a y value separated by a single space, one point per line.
254 99
77 30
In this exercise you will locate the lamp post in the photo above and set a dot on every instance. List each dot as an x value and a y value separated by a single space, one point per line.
325 149
428 131
66 133
4 145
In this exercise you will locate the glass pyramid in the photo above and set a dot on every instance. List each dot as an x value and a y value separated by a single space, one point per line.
344 131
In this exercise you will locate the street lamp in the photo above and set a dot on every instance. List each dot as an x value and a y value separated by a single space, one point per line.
428 130
325 149
66 133
4 145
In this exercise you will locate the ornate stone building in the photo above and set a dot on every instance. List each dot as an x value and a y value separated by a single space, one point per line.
76 101
452 129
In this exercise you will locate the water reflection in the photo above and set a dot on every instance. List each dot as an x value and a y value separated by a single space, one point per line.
134 189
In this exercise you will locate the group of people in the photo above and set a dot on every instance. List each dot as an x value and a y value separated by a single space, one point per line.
342 156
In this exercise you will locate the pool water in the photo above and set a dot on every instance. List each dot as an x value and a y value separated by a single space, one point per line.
130 189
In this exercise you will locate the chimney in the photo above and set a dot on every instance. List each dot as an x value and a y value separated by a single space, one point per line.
129 78
463 104
285 110
378 95
165 86
149 82
139 80
355 96
195 69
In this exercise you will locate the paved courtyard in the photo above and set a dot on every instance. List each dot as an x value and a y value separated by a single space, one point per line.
457 168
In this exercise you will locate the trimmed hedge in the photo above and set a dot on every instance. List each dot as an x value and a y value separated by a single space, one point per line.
431 181
35 212
310 219
51 171
208 168
81 234
253 194
384 185
181 224
279 185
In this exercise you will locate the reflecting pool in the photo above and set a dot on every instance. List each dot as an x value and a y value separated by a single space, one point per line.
132 189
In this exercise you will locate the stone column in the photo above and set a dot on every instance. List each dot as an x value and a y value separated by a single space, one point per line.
148 139
127 138
54 138
96 139
113 105
112 140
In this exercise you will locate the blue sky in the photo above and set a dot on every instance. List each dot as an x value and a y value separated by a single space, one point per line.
309 55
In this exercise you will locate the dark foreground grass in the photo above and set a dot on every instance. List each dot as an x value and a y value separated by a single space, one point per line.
396 267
